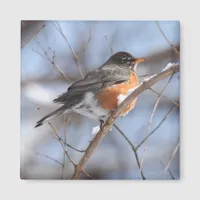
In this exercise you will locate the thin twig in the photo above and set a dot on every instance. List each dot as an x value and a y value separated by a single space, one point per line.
125 137
70 146
151 117
88 41
33 36
153 131
52 61
109 44
66 123
173 154
86 174
158 126
81 151
174 102
171 69
169 171
58 28
67 144
134 150
60 140
37 52
46 156
65 151
163 34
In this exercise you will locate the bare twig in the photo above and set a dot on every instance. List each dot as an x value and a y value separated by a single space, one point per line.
125 137
58 28
158 92
174 102
52 61
109 44
170 44
173 68
151 118
155 129
88 41
46 156
65 151
70 146
37 52
86 174
61 164
60 140
66 123
75 149
173 154
33 36
169 171
134 150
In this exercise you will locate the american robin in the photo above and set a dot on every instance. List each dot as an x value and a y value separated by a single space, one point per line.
101 90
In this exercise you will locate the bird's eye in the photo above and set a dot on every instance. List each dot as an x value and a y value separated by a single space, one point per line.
124 59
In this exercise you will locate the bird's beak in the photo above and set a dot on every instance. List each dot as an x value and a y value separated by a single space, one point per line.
139 60
136 61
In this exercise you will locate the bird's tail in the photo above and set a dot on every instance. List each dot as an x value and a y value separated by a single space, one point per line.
51 115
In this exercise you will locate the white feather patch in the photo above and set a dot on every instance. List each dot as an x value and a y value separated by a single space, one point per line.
122 97
94 111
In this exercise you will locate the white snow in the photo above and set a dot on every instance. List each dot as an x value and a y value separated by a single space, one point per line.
121 98
169 65
95 130
146 79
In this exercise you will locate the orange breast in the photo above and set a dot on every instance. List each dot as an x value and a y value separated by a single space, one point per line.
108 97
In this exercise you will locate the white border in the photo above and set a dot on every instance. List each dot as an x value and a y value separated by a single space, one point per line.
187 13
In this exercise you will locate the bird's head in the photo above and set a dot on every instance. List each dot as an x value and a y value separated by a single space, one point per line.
125 59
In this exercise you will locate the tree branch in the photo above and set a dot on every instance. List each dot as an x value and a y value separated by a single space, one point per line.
174 102
58 28
66 124
154 130
70 146
167 71
51 61
169 171
163 34
86 174
152 116
145 75
46 156
33 36
173 154
109 44
60 140
134 150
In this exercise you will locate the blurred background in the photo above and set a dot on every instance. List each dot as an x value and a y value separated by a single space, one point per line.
56 53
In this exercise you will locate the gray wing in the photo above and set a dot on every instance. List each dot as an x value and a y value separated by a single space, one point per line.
96 80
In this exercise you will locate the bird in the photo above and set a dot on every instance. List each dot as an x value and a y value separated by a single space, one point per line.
101 90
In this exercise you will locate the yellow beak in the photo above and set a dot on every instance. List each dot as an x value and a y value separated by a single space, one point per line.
139 60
